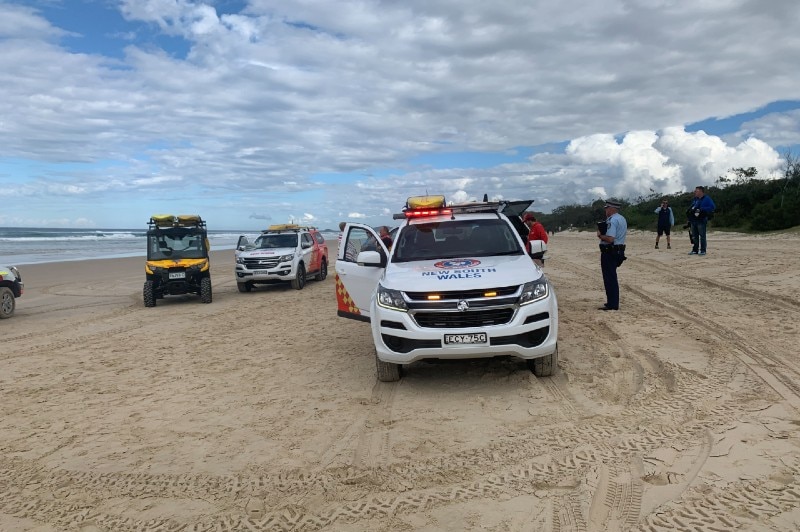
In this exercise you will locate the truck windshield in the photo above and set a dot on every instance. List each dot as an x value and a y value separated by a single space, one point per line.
176 244
288 240
456 239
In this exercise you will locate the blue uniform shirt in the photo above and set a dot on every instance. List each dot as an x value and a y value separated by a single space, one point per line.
618 228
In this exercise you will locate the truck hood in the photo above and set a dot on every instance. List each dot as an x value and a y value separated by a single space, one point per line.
460 274
276 252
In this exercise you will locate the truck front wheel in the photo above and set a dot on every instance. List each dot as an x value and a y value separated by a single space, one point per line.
244 287
544 366
149 294
387 371
205 290
299 280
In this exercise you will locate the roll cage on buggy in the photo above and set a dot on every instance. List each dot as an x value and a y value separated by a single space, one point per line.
177 258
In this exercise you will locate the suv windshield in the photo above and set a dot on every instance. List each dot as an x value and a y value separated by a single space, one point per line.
454 239
176 244
288 240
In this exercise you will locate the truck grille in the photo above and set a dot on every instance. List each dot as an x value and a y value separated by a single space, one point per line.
465 294
260 264
456 320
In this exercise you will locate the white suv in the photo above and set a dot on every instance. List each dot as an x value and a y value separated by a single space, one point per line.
457 283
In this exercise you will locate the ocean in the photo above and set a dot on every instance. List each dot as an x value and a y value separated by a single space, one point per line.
28 245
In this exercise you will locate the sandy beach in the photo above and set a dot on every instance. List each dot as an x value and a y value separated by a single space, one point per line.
261 411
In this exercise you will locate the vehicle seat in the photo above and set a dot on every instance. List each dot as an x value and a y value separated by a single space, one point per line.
482 240
425 240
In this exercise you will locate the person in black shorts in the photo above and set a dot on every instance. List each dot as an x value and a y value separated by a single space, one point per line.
665 222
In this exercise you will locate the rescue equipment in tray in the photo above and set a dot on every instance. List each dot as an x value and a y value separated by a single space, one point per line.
287 227
422 206
181 220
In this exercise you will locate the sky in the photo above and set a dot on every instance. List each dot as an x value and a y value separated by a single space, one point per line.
258 112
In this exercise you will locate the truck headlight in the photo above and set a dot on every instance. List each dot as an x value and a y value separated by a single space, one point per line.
286 258
533 291
392 299
239 260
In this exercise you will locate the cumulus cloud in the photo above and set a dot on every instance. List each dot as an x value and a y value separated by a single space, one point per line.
258 101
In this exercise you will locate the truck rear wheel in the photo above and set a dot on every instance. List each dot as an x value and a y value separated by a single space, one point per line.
205 290
544 366
299 280
387 371
323 271
149 295
244 287
7 302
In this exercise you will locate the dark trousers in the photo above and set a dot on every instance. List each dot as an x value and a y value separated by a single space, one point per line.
699 234
608 265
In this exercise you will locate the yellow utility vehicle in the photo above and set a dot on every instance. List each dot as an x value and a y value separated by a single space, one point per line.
177 258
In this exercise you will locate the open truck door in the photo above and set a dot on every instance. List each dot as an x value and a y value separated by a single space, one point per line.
360 263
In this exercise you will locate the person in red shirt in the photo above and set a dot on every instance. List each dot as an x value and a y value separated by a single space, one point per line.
537 233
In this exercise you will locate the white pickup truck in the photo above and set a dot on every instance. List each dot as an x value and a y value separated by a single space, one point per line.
456 283
11 287
283 253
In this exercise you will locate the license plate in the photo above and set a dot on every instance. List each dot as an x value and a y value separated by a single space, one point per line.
177 275
472 338
261 272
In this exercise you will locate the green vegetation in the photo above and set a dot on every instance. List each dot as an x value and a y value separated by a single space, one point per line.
744 203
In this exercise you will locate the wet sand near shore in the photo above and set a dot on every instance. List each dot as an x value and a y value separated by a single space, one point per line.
261 410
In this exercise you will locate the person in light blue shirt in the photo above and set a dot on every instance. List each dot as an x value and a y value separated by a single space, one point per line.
612 252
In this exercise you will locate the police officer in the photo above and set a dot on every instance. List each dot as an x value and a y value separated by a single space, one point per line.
612 252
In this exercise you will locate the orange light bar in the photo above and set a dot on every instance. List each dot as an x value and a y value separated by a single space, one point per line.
428 212
434 297
490 294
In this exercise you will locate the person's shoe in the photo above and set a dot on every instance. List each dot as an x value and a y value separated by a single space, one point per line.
656 246
692 253
702 253
607 308
669 246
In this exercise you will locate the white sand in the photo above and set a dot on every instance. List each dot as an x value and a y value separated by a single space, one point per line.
261 411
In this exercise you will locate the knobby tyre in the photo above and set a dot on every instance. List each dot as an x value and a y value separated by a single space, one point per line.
149 294
205 290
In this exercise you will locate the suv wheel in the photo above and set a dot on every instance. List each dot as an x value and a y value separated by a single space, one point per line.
205 290
244 287
387 371
323 271
7 302
149 295
300 279
544 366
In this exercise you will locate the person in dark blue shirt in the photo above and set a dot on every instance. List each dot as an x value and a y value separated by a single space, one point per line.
700 211
665 222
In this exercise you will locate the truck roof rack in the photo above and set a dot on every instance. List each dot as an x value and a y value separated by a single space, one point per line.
464 208
164 221
278 228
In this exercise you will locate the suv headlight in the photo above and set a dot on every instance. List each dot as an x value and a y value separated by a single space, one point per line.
533 291
286 258
240 260
392 299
